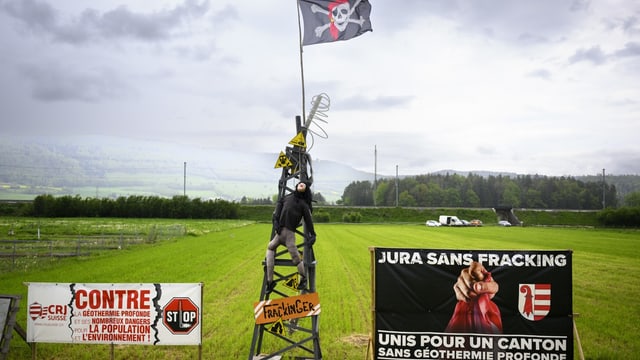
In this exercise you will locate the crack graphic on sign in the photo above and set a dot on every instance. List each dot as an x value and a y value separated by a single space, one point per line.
156 305
72 287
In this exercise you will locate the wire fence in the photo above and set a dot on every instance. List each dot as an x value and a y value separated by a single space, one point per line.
23 254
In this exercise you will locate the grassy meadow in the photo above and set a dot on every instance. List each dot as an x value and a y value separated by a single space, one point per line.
226 256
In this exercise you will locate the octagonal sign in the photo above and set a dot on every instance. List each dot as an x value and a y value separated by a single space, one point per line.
180 315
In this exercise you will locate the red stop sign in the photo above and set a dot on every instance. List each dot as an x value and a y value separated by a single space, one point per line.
180 315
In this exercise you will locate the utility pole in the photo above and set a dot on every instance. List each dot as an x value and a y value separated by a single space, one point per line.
396 185
375 172
604 184
184 182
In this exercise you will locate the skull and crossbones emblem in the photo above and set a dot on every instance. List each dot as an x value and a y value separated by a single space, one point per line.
339 13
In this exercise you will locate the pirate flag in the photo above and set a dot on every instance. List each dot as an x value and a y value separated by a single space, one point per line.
328 21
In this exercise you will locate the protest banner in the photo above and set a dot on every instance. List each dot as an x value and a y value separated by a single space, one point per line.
287 308
417 314
132 314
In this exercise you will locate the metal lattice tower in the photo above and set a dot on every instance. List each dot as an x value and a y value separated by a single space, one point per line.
301 333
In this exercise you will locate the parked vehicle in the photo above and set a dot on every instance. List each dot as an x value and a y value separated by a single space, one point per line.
475 222
504 223
450 220
432 223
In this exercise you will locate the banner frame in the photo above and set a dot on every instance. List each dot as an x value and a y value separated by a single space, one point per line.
200 298
494 265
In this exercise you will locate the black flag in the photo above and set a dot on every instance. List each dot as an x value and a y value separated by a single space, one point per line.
328 21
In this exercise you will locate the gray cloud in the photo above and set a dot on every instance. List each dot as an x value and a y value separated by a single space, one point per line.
91 25
631 49
228 14
626 164
57 83
523 22
516 20
532 39
618 162
38 16
579 5
631 25
540 73
486 149
226 74
379 102
594 55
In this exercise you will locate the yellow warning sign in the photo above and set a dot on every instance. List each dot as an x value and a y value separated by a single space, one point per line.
292 307
277 328
298 140
292 283
283 161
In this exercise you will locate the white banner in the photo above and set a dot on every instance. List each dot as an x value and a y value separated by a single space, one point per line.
141 314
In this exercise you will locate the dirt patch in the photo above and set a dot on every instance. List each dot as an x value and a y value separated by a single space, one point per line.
356 339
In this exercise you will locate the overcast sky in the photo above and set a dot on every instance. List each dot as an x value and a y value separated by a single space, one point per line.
547 87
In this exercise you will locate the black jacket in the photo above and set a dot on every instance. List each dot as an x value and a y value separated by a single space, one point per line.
290 210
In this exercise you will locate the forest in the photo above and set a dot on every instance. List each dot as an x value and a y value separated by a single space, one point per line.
475 191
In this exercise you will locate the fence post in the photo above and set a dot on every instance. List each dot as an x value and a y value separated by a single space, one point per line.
15 254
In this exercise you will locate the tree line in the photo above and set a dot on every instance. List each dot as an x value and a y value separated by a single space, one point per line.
475 191
181 207
318 199
134 206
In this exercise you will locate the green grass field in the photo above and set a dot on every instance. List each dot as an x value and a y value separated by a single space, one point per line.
227 257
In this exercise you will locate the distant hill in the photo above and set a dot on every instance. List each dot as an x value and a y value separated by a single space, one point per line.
112 167
97 166
482 173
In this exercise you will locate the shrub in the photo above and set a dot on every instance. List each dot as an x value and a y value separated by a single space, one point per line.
321 217
352 217
622 217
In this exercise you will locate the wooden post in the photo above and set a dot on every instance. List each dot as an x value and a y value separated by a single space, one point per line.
372 251
575 332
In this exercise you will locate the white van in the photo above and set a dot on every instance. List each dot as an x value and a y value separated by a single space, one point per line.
449 220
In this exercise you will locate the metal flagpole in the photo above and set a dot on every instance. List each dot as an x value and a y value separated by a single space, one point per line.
304 120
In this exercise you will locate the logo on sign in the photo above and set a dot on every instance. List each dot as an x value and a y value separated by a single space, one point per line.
180 316
50 312
534 301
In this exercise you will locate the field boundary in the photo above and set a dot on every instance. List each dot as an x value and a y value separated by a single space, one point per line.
15 253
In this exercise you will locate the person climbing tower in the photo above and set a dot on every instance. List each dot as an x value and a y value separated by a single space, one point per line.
289 212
